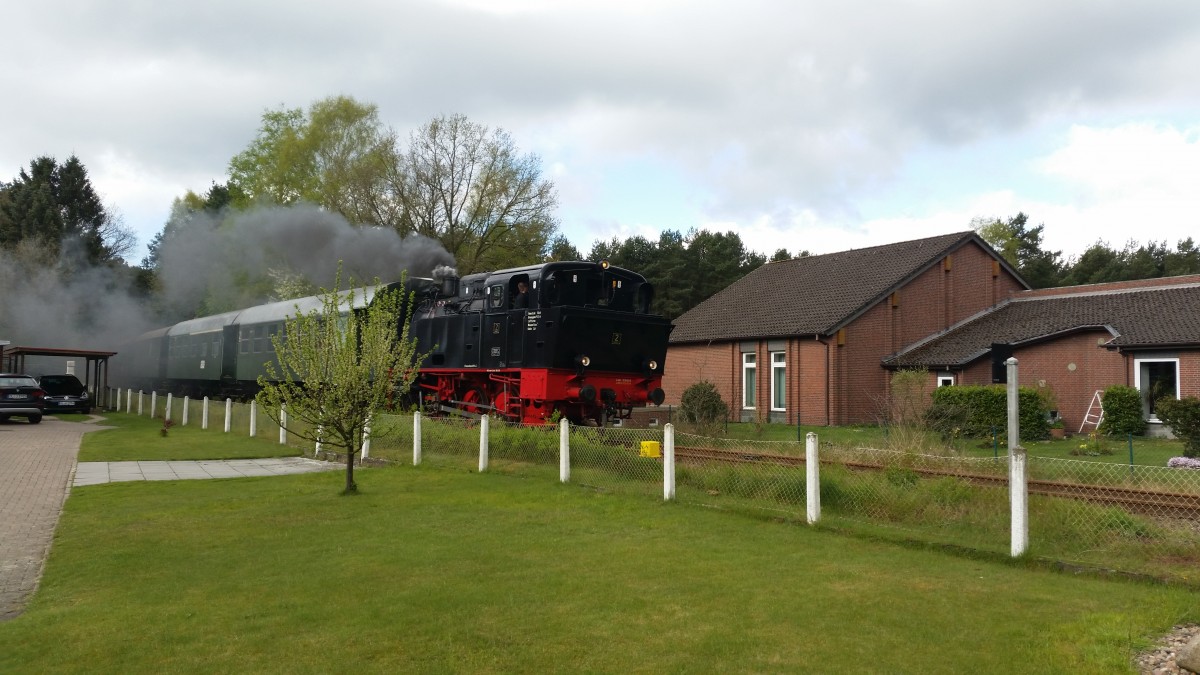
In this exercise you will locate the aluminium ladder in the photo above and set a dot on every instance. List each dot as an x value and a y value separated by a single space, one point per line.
1093 417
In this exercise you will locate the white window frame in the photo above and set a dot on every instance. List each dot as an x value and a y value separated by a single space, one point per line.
945 380
778 362
1137 377
749 374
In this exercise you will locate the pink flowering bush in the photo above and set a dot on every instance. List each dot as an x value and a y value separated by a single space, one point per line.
1184 463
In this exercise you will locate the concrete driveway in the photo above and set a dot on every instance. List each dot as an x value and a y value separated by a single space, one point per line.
37 469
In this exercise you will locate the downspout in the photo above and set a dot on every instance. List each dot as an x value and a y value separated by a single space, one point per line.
828 380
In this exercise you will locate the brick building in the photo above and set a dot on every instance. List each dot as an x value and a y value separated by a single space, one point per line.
805 339
815 339
1074 341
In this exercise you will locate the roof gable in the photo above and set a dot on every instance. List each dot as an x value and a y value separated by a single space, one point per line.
1157 316
814 295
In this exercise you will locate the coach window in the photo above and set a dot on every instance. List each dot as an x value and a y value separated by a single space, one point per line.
778 381
749 379
245 340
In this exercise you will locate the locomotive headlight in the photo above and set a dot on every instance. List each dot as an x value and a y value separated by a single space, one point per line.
652 365
604 264
583 360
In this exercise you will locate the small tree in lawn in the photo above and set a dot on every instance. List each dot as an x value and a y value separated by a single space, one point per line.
337 365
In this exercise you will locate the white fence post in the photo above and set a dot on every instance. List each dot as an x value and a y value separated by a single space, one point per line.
139 402
167 412
204 414
186 405
228 414
366 448
153 404
1018 489
253 419
812 469
669 462
128 400
483 443
564 450
417 438
283 425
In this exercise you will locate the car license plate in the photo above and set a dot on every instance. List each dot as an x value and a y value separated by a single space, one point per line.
18 397
65 403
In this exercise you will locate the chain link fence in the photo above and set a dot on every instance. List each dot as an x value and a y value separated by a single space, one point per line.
1138 519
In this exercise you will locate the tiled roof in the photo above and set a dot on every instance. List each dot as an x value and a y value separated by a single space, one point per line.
1148 317
811 295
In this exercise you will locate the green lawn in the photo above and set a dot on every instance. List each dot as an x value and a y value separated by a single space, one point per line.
141 438
434 570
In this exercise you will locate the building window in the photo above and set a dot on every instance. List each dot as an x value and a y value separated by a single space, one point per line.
1155 379
749 378
778 381
945 380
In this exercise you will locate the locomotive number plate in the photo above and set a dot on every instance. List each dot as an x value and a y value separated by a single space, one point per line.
616 338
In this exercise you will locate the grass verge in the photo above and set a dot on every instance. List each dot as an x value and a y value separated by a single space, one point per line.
449 571
138 437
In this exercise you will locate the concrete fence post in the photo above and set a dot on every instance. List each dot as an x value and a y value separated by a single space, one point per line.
417 438
153 404
204 414
128 400
139 402
167 411
186 405
228 414
669 462
483 443
283 425
564 450
812 469
1018 488
253 419
366 448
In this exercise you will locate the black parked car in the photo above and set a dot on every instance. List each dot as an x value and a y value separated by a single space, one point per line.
20 396
65 393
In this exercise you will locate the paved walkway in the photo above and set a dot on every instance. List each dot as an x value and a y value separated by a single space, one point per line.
37 470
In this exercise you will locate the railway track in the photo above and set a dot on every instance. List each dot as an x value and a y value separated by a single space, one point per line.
1147 502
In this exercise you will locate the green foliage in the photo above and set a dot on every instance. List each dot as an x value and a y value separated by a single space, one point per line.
1021 246
1183 416
1122 411
976 410
338 365
702 406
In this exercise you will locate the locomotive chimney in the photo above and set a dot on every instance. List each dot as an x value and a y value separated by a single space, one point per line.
447 278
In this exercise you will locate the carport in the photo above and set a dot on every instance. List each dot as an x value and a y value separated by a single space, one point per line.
95 373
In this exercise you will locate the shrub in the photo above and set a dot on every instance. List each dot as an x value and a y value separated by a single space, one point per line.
702 406
976 410
1183 416
1122 411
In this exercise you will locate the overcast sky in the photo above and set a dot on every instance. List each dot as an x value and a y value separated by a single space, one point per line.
805 125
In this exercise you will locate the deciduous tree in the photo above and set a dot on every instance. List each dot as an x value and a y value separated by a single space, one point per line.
337 366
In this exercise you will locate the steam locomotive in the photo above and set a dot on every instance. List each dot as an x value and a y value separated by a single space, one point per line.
569 339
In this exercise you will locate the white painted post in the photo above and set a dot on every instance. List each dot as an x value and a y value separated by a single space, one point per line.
564 450
253 419
128 400
417 438
283 425
669 462
1018 489
483 443
228 414
153 404
366 449
204 414
186 405
139 402
812 469
167 412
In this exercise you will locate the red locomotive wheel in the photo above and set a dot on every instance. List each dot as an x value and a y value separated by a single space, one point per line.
475 401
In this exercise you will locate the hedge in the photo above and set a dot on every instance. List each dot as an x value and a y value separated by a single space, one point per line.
976 410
